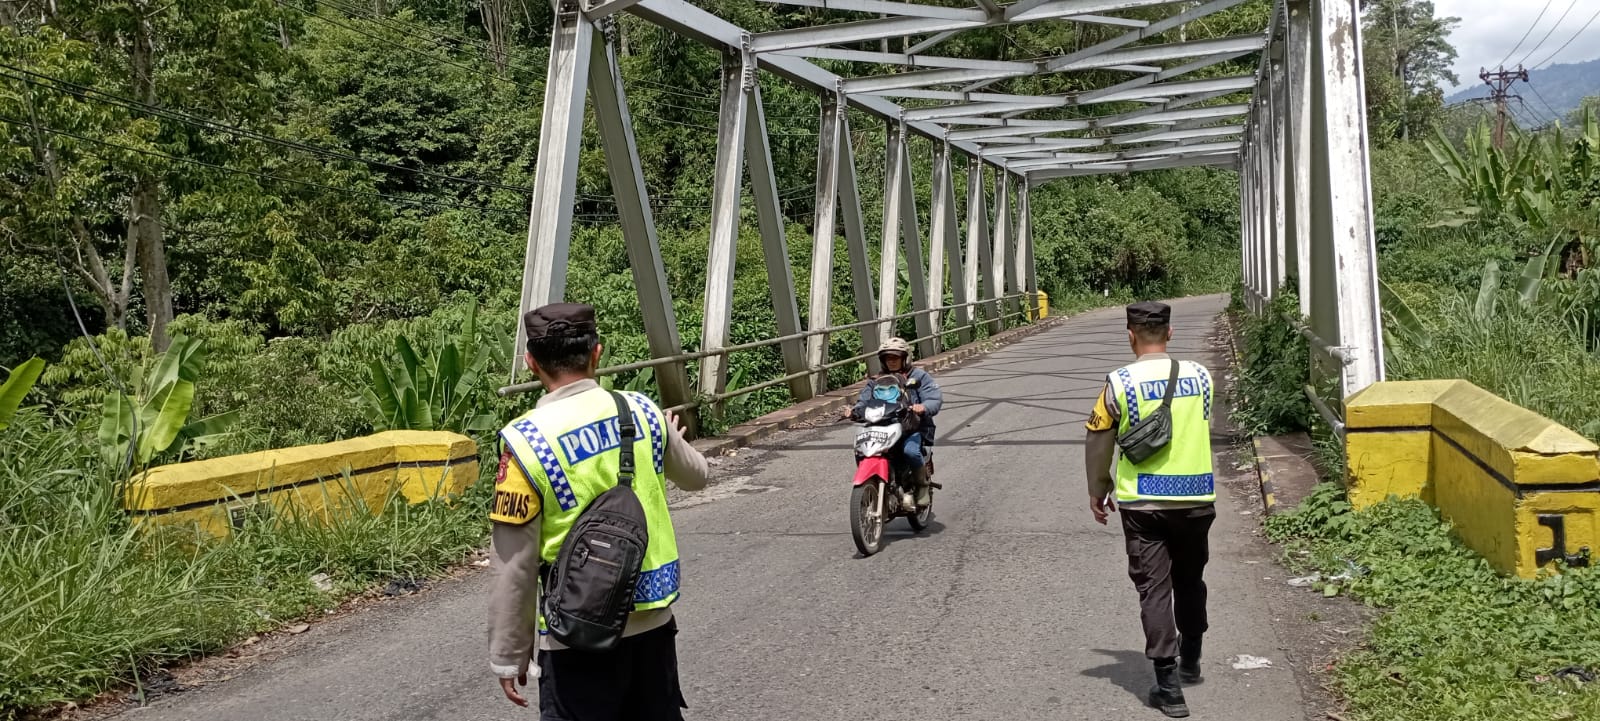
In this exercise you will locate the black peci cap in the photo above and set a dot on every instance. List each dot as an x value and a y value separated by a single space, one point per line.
1149 312
559 320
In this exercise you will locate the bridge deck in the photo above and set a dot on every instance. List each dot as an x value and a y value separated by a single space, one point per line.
1014 605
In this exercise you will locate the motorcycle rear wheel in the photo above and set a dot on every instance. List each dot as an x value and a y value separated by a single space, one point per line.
866 528
923 516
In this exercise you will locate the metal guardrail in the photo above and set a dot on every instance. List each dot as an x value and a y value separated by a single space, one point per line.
1336 352
754 345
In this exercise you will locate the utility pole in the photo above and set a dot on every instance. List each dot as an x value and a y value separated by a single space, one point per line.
1499 82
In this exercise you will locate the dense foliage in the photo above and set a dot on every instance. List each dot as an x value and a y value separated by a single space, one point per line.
1488 269
302 170
233 225
1462 643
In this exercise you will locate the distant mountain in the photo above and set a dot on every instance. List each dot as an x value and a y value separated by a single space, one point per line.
1550 92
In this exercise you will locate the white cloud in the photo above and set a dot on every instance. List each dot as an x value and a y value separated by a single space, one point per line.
1489 29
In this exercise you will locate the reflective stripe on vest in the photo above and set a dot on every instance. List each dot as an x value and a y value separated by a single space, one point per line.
568 450
1182 471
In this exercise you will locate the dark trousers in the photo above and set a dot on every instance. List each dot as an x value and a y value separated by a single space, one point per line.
1167 554
637 681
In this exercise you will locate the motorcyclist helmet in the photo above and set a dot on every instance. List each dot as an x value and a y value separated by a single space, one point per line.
893 346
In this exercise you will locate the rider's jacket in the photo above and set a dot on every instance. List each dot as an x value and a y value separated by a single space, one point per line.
926 391
567 455
1182 471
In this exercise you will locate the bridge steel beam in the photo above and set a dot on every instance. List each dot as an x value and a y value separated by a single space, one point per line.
1263 184
615 124
725 201
826 221
1298 145
855 236
1344 257
555 180
903 25
944 71
980 254
774 247
944 251
900 229
1247 256
1027 279
684 18
1274 131
1004 283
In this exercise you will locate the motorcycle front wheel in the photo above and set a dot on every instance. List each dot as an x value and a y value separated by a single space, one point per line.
866 527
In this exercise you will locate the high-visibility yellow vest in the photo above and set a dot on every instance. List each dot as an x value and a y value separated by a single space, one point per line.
568 451
1182 470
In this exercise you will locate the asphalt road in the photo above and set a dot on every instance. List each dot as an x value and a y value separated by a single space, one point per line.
1014 605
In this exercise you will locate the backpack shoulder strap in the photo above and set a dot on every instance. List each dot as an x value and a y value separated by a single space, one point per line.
629 432
1172 383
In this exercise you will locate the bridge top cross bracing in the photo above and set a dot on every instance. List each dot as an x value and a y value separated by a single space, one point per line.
1184 121
1282 104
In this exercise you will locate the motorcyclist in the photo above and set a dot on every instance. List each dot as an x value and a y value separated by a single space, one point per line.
926 399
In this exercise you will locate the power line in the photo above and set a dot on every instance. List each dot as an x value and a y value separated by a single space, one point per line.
1522 118
1575 36
265 176
1547 34
1554 115
94 95
1526 33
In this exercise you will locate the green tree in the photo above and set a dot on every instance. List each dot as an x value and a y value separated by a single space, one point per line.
135 58
1408 57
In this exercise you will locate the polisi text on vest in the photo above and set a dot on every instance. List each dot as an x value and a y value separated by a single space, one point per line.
591 440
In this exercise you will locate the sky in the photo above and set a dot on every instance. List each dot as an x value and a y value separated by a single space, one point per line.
1491 28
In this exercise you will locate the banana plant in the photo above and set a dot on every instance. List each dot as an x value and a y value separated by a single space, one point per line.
1406 323
136 430
1538 178
435 390
16 387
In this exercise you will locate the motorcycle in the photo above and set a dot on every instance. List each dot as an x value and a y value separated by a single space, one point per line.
882 477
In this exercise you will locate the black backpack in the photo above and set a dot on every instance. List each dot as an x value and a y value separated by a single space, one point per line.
1153 432
588 591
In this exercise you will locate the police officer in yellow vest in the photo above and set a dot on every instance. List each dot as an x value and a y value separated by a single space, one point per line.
1166 502
555 459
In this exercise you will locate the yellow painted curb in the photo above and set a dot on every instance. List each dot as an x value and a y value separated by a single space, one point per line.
1268 498
217 494
1519 488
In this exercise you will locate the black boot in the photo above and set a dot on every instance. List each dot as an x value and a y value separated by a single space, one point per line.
1189 660
1167 694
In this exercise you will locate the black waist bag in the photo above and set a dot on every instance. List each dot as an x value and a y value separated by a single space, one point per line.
1153 432
588 591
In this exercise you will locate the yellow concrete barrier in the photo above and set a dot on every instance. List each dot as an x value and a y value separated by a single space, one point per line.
1041 307
1520 489
217 494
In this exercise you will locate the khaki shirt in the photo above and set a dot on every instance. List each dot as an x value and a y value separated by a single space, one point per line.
514 558
1100 449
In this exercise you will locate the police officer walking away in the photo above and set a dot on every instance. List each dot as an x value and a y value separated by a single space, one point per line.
1164 489
556 460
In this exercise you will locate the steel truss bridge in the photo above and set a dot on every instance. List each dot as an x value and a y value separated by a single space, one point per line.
1294 130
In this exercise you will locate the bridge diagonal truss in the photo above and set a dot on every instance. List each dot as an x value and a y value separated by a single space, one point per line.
1291 123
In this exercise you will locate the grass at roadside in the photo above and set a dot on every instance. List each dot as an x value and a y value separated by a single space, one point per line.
1458 641
88 604
1522 353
